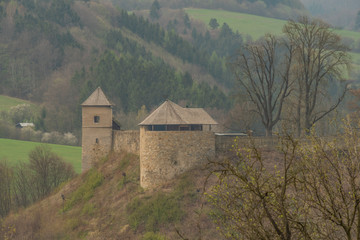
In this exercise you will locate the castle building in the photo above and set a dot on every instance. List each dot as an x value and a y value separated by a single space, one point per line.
171 140
96 128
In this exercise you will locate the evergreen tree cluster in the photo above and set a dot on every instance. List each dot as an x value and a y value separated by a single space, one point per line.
204 56
56 11
134 80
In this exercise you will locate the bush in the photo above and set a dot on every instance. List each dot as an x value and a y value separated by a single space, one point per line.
153 236
48 170
36 179
58 138
21 113
86 191
153 212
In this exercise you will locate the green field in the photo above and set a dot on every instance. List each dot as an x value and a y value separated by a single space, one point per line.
255 26
7 102
252 25
14 151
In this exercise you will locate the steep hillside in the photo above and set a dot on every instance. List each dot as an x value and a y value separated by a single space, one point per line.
108 203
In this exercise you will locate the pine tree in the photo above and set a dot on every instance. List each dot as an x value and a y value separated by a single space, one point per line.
213 23
155 10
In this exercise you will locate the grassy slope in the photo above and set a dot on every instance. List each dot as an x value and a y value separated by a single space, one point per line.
14 151
255 26
97 207
7 102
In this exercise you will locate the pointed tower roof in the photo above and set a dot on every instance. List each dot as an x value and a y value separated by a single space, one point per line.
170 113
97 98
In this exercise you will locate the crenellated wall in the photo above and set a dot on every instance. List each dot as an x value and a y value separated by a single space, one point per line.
166 154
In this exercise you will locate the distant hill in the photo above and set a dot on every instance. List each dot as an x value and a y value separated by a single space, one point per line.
256 27
57 52
338 13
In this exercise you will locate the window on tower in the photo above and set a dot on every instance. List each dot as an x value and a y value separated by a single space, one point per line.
96 119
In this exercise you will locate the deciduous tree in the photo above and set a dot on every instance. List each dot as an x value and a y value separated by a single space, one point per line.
5 188
263 70
320 57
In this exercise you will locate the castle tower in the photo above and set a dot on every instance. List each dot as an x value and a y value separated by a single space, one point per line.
96 128
174 139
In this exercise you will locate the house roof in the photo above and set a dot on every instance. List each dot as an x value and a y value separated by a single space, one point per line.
22 125
170 113
97 98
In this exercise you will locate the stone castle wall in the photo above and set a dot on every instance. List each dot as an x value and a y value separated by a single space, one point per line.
166 154
128 141
226 143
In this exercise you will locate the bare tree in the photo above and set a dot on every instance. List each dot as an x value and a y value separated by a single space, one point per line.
319 57
48 170
254 196
263 71
23 194
5 188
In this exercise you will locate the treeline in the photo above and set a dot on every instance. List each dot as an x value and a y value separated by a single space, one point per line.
208 53
25 183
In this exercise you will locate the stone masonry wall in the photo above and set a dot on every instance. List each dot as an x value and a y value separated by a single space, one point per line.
128 141
96 137
225 143
92 151
164 155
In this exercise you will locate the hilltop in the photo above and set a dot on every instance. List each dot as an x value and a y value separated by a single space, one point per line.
107 203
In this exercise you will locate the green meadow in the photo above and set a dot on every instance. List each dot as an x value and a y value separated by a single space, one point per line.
14 151
7 102
257 26
247 24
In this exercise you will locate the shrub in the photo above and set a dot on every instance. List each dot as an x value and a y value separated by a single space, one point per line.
86 191
153 212
153 236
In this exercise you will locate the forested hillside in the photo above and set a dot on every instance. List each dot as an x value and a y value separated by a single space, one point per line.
57 52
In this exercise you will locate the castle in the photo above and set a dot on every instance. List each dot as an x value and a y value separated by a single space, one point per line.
171 140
